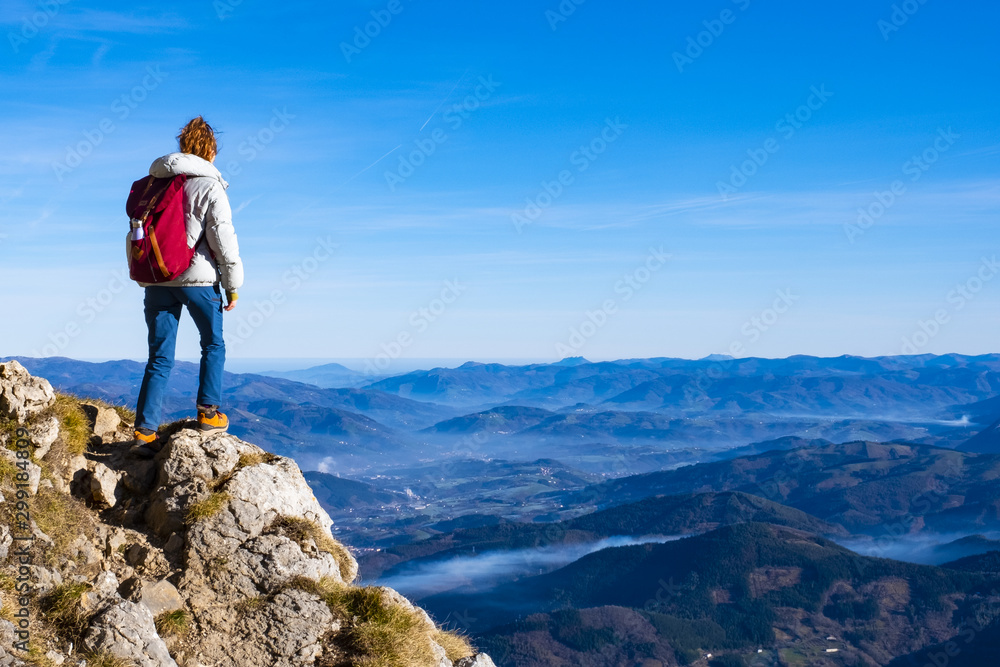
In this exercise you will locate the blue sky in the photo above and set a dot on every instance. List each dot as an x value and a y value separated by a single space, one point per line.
549 181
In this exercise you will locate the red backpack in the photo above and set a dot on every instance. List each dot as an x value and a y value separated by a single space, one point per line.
158 247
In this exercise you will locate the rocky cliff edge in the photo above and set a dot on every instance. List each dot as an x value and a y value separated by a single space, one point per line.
215 553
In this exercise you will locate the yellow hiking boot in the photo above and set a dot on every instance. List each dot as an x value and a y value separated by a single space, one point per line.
211 420
145 444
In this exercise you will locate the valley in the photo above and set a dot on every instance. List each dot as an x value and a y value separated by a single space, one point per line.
801 511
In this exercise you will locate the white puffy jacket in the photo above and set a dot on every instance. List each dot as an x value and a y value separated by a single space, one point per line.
207 212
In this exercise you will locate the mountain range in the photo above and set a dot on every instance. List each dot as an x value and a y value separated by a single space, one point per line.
652 511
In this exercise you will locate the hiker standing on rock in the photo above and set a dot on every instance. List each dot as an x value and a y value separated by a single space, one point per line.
182 249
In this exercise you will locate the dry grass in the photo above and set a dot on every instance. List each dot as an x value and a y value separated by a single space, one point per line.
302 530
173 623
377 632
74 427
62 609
250 605
457 646
36 657
382 635
8 429
207 508
7 470
62 517
107 659
248 460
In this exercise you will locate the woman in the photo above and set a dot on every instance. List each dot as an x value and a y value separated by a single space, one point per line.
216 267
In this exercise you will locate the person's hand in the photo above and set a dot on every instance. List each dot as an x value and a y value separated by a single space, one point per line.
232 297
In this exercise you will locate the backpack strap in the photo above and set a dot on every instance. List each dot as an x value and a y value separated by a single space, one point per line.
156 197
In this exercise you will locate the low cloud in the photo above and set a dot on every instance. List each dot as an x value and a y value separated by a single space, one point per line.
481 572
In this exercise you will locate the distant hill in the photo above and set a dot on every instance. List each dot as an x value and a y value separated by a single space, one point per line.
714 431
338 493
846 387
986 441
506 419
778 444
971 545
862 486
666 516
983 562
734 589
330 376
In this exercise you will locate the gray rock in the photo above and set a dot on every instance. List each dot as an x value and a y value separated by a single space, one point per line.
43 436
261 564
128 631
6 539
480 660
174 544
138 554
7 634
104 485
45 579
34 477
103 593
286 632
159 597
82 550
138 475
76 470
8 660
115 540
228 551
440 655
103 421
22 395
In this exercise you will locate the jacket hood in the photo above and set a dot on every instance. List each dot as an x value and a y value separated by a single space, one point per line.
175 164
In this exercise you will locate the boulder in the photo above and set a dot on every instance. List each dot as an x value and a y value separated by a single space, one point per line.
127 630
21 395
43 436
103 592
104 485
104 422
228 555
159 597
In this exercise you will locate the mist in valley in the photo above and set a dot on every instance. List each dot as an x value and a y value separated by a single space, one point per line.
485 571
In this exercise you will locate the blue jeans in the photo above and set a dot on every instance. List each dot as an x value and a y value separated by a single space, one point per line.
163 313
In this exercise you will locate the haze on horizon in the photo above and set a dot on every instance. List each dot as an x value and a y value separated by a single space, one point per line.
504 181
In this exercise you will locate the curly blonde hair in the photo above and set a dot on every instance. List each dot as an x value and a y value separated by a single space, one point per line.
198 138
